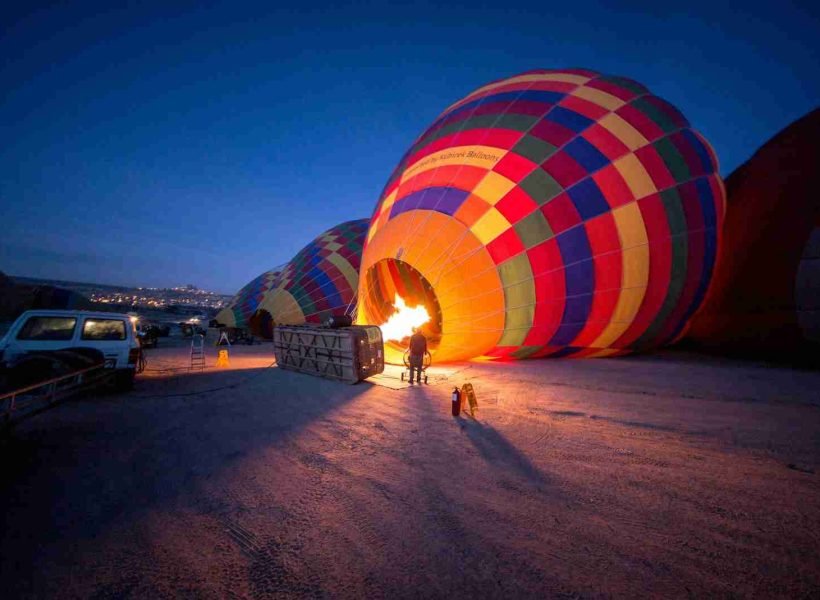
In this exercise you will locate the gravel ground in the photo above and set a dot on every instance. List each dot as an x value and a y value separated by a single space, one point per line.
665 476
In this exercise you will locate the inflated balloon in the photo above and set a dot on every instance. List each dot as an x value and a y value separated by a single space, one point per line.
553 213
807 288
243 305
764 298
321 280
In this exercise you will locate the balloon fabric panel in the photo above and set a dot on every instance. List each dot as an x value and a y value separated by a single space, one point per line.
593 201
320 280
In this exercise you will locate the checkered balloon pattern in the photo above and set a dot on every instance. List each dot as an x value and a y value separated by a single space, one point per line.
321 280
553 213
243 305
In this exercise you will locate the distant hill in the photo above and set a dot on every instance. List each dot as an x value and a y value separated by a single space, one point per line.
67 284
21 294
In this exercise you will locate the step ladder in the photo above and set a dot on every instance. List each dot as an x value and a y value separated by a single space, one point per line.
198 352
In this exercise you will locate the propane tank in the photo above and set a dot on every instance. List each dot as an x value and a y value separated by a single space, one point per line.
456 401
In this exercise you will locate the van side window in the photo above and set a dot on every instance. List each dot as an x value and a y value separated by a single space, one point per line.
103 329
48 329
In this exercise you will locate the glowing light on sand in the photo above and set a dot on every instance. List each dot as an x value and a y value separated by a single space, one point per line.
401 323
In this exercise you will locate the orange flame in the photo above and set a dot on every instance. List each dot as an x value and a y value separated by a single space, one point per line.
401 323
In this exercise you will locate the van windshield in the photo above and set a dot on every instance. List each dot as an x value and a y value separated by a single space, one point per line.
104 329
48 329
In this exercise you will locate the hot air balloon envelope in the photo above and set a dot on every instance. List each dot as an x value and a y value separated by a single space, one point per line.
553 213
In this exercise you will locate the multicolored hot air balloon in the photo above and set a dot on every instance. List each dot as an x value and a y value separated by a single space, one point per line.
764 299
321 280
242 307
554 213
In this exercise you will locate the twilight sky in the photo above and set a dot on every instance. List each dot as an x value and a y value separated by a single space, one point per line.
162 146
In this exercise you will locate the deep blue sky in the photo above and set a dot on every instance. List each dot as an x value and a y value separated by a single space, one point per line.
161 146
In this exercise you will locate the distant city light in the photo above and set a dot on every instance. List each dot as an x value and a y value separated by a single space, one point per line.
159 298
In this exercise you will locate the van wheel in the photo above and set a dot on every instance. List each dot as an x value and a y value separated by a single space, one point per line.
33 368
124 380
79 358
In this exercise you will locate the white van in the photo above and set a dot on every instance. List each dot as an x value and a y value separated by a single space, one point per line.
111 335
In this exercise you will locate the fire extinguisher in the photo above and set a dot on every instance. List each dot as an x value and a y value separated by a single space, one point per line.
456 401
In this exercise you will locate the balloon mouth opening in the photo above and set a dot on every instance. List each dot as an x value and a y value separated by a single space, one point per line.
400 299
261 324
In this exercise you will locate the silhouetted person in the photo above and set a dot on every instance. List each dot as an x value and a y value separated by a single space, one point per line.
418 346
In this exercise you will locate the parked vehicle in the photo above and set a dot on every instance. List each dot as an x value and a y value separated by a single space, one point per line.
189 329
42 344
148 334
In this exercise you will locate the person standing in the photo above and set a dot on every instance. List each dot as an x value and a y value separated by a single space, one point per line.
418 346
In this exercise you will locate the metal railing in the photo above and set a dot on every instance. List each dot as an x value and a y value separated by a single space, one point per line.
40 396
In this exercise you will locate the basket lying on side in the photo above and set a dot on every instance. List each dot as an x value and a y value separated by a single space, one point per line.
348 354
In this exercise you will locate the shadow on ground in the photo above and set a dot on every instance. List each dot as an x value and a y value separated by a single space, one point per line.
73 471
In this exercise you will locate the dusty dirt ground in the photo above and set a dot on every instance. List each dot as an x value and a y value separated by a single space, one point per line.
668 476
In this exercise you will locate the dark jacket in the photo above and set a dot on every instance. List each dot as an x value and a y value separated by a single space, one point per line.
418 344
